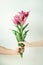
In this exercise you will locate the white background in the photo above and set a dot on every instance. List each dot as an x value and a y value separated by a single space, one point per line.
8 8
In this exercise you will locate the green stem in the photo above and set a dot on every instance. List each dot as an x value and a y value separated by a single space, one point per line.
21 39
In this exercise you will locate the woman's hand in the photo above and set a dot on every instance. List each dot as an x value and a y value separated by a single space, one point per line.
6 51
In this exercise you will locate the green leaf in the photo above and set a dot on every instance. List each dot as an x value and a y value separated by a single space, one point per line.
24 35
18 28
14 32
17 35
26 31
25 26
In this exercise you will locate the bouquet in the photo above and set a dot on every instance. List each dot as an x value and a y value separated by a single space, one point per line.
19 21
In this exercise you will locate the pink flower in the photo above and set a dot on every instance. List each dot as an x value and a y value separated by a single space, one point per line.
21 18
25 14
16 20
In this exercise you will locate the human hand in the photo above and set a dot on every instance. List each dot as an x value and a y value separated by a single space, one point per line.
26 43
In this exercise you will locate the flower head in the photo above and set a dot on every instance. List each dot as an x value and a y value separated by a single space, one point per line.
25 14
16 19
21 18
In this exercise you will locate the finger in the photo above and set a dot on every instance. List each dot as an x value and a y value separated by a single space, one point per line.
22 42
22 49
26 43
